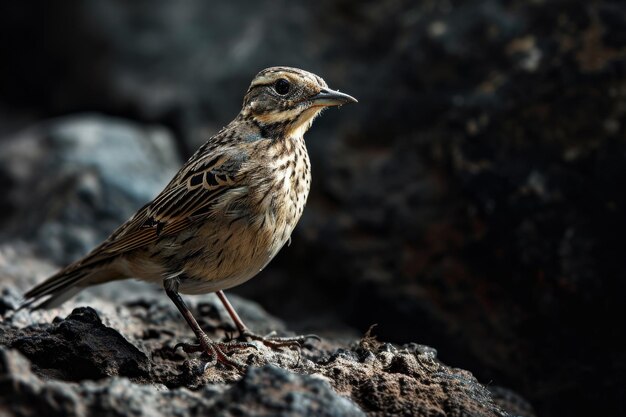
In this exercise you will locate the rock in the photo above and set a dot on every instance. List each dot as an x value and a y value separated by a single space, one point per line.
80 347
272 391
25 394
118 358
89 173
266 391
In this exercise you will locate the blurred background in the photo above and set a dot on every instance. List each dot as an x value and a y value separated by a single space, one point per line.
474 200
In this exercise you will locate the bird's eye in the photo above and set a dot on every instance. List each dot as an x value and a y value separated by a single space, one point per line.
282 86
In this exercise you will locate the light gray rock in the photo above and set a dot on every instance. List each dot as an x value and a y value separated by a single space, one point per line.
89 173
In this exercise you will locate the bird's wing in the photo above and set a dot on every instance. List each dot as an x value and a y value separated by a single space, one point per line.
188 197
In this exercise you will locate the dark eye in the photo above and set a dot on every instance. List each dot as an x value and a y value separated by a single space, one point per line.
282 86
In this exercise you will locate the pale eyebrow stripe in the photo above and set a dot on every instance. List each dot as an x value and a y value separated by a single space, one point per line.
271 78
264 80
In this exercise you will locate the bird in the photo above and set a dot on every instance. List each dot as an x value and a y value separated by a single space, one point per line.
223 217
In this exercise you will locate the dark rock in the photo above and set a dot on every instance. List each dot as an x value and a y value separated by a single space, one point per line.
80 347
130 367
266 391
25 394
272 391
510 401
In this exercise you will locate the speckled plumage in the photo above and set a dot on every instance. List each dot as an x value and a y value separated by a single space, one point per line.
228 211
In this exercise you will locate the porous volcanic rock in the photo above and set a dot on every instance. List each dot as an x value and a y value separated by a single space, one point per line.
118 358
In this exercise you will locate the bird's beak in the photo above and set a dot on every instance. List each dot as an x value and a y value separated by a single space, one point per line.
328 97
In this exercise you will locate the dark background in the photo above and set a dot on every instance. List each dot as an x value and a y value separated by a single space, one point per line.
474 200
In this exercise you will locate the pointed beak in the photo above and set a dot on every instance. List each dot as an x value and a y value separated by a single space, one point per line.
329 98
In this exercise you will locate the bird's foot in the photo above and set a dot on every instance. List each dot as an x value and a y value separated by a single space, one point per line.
274 342
216 351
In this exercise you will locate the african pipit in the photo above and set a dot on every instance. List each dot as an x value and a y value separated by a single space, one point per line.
224 215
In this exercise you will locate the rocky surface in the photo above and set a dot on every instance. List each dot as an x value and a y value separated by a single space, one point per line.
117 358
473 200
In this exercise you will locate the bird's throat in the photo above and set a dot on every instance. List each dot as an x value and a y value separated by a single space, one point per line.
302 123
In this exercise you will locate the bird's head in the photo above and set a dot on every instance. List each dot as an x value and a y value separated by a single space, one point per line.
286 100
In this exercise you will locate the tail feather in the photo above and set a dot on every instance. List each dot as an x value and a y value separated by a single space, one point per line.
66 283
56 299
59 281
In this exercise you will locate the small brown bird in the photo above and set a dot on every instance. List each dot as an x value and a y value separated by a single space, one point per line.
225 214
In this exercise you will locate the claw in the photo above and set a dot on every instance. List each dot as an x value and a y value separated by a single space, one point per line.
238 345
188 347
277 342
216 351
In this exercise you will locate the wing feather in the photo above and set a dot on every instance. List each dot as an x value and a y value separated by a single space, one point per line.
187 198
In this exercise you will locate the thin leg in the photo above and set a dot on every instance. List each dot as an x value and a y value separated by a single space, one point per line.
268 340
171 289
206 345
231 312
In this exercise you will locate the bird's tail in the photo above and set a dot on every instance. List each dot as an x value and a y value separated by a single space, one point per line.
68 282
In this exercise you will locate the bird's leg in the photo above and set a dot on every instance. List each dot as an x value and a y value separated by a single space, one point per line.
269 340
216 350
